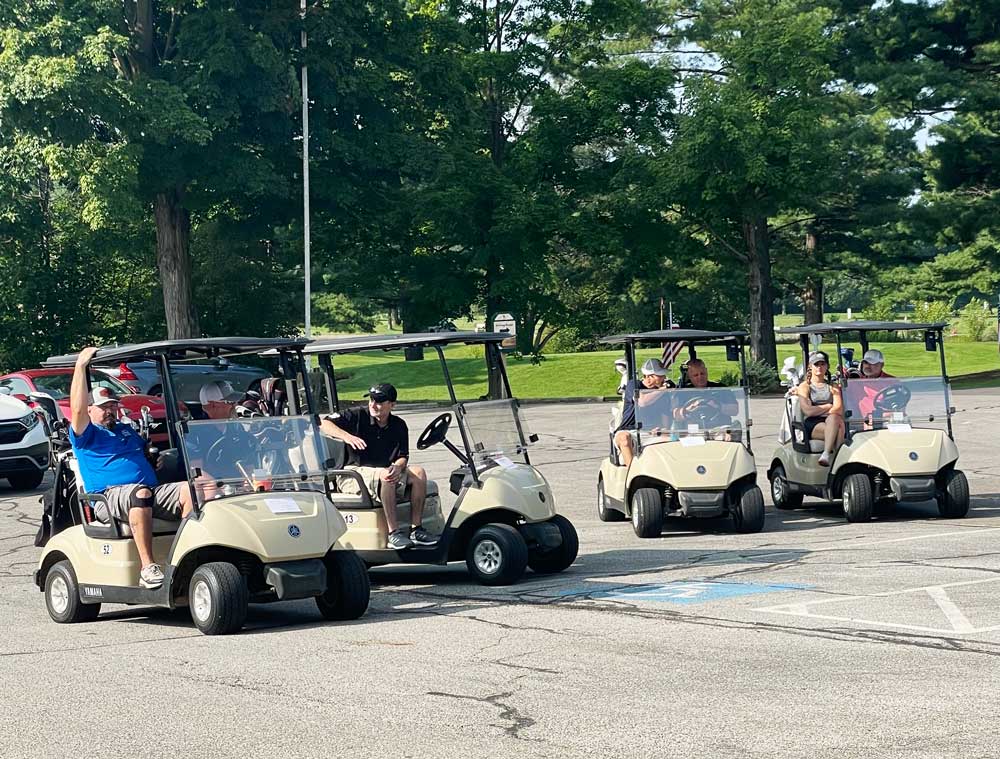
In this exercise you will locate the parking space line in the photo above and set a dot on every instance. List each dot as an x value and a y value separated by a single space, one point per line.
958 620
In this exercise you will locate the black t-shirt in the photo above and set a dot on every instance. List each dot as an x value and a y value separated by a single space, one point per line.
385 444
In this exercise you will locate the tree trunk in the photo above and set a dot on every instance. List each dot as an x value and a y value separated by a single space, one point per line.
495 390
173 232
526 334
413 353
812 290
755 237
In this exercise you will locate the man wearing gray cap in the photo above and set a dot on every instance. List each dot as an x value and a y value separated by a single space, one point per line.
654 377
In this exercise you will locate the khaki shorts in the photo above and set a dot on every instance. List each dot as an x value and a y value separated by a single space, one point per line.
369 474
166 505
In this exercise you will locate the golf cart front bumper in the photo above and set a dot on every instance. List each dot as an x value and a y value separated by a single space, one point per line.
296 579
913 488
701 503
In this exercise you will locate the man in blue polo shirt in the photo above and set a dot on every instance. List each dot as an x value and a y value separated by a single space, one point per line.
112 461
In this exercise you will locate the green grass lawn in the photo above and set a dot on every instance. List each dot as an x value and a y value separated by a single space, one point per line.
584 375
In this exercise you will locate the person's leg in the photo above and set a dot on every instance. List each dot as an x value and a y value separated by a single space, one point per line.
623 439
387 495
140 520
418 493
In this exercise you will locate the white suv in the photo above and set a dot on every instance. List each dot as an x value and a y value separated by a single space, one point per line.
24 446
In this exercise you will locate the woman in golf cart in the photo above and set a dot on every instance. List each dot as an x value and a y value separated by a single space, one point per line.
823 406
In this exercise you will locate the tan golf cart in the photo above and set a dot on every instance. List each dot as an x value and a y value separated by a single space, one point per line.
899 444
692 446
263 528
504 517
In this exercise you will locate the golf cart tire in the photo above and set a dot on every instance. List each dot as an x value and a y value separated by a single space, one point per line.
557 559
748 511
603 512
781 496
647 512
348 589
858 499
953 500
62 579
498 544
26 480
228 594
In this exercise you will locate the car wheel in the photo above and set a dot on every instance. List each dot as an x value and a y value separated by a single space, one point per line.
953 498
497 555
26 480
556 559
604 513
348 589
647 512
781 494
858 499
62 596
748 511
218 598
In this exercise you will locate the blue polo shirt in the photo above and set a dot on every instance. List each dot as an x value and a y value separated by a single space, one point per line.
110 457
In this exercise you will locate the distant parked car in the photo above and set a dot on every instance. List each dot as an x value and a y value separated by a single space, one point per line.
56 383
444 325
188 378
24 444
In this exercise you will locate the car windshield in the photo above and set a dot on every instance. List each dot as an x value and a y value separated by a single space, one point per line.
57 385
493 428
676 413
910 400
235 456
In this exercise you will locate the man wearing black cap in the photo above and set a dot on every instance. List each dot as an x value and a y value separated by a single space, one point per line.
381 450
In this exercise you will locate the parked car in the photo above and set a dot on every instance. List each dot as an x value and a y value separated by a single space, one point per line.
56 383
188 378
24 444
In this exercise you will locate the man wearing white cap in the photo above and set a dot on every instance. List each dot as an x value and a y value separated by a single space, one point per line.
112 461
872 364
654 377
218 399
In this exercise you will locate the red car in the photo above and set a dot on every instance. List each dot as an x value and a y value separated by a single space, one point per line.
56 382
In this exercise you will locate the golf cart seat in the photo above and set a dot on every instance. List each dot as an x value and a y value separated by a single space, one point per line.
793 427
98 522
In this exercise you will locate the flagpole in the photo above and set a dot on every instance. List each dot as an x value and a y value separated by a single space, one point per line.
306 232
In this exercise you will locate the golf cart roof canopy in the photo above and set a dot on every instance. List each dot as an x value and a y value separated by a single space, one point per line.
857 326
696 336
180 350
357 343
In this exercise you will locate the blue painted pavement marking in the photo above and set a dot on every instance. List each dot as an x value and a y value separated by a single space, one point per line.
680 592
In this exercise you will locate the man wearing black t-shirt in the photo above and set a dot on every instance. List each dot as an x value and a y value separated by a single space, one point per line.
381 450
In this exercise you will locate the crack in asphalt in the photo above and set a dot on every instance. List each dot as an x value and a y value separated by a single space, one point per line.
519 721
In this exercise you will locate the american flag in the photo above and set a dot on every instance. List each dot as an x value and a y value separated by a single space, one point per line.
671 350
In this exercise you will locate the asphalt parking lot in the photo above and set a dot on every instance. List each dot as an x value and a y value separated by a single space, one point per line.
814 637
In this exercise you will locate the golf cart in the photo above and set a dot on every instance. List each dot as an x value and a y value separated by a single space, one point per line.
504 518
692 445
898 446
262 529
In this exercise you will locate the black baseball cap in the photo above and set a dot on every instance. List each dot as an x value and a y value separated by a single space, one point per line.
381 392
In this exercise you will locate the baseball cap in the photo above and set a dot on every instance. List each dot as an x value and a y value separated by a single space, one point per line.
103 395
817 356
381 392
218 390
873 356
654 366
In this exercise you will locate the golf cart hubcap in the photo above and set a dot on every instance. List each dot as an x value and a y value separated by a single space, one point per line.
201 604
847 501
777 489
487 557
59 595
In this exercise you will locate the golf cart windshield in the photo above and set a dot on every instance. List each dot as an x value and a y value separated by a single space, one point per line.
236 456
913 401
493 428
711 412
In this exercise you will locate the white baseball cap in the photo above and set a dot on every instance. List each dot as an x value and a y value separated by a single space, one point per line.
102 396
218 390
654 366
873 356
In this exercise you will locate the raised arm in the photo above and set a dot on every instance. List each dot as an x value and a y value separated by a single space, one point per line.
78 401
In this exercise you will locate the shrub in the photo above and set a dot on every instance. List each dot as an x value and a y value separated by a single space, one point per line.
932 312
763 377
977 320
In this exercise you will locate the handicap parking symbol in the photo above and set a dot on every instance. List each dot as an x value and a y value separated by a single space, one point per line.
680 592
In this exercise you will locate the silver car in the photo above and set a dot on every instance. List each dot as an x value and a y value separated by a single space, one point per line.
188 378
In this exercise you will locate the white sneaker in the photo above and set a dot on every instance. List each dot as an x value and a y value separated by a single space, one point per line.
824 459
151 576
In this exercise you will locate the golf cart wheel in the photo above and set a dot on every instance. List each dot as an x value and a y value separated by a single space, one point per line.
218 598
858 498
953 499
781 494
558 558
604 513
26 480
348 589
497 554
647 512
748 511
62 596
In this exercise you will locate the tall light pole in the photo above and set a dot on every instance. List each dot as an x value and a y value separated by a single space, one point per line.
307 265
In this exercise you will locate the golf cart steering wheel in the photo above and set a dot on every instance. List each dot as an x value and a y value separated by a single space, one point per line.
892 398
214 453
435 432
702 410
